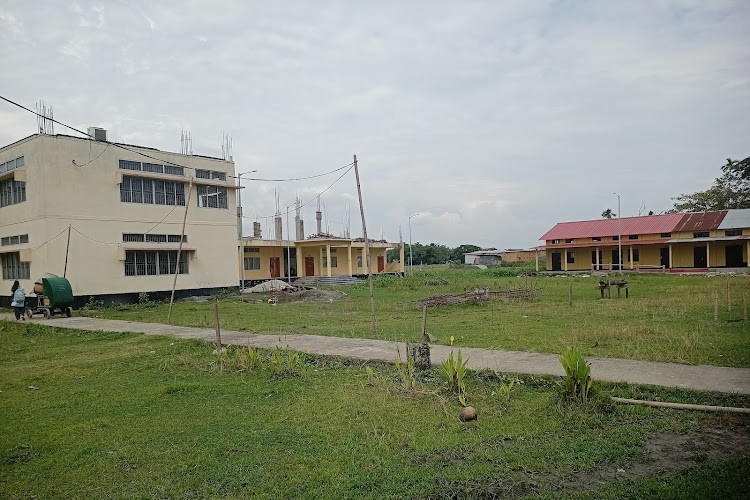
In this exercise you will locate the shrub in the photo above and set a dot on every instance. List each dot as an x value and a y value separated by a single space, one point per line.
576 383
454 370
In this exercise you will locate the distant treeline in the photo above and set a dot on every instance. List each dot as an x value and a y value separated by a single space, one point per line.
433 253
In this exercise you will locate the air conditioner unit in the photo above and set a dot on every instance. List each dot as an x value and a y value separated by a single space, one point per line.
98 134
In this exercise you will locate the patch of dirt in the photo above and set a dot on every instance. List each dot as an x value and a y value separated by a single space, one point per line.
726 437
314 295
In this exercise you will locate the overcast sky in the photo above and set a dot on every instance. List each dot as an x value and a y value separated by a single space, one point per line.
492 120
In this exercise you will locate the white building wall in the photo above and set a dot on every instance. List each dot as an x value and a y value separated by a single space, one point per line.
60 193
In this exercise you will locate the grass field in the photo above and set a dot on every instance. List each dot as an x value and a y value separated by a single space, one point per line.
95 415
666 318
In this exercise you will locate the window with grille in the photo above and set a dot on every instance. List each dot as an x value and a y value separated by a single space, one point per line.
153 167
733 232
252 250
172 170
212 197
334 261
12 192
666 235
571 257
633 237
14 240
137 190
210 174
154 262
700 234
130 165
14 268
152 238
252 263
11 165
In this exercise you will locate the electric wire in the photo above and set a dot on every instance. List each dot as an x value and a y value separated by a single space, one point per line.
40 245
122 146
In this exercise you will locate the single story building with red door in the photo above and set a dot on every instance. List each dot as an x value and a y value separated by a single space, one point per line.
317 256
696 241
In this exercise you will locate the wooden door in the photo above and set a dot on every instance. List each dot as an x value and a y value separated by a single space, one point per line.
733 254
275 267
664 258
309 266
616 259
700 257
597 264
556 261
381 263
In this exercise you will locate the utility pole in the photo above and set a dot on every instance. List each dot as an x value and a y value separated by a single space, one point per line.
67 249
179 251
619 234
367 248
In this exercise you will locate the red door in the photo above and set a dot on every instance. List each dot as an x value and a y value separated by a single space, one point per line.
275 267
381 263
309 266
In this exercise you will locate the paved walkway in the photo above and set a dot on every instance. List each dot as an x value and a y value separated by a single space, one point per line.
695 377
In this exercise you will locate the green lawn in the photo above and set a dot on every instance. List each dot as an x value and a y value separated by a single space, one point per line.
666 318
102 415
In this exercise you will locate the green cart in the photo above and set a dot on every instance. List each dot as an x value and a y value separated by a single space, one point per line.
53 295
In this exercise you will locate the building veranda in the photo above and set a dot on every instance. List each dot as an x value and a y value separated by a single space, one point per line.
680 242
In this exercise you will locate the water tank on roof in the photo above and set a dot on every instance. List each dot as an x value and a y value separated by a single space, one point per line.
98 134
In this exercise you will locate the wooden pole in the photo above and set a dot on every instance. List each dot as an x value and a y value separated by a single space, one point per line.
179 251
67 249
680 406
716 306
744 306
571 295
729 305
425 338
367 249
216 324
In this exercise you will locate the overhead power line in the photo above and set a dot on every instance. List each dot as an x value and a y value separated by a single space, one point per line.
146 155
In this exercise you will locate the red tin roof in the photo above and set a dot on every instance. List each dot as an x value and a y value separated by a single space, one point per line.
605 244
701 221
648 224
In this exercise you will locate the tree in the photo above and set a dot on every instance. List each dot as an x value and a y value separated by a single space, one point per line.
608 214
730 190
457 254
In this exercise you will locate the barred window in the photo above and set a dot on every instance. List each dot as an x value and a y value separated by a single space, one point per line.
175 238
733 232
334 261
172 170
210 174
132 238
137 190
11 165
212 197
252 250
14 268
154 262
12 192
252 263
156 238
130 165
14 240
153 167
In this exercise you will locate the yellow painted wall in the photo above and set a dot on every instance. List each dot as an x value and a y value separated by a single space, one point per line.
265 255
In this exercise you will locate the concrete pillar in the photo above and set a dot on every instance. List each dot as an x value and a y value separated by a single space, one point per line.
630 250
328 258
708 254
349 256
565 260
598 260
300 262
671 262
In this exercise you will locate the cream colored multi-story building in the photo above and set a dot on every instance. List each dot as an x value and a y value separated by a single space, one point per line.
110 217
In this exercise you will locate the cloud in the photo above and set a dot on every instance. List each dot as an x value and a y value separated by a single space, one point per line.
497 119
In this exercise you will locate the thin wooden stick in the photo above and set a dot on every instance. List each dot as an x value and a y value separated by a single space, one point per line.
680 406
216 324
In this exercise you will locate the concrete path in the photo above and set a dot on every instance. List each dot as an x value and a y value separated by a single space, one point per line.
695 377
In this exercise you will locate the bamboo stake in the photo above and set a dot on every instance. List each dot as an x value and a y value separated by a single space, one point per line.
571 295
680 406
216 324
744 306
716 306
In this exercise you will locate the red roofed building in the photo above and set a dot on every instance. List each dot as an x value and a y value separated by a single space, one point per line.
669 241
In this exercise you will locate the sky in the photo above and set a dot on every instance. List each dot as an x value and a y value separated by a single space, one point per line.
478 122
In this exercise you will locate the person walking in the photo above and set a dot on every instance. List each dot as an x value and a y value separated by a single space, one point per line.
19 300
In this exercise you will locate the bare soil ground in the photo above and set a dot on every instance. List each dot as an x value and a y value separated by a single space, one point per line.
726 437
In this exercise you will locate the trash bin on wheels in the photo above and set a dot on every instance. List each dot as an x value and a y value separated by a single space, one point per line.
53 295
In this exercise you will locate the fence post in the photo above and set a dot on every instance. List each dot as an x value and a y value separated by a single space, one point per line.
716 306
218 328
571 295
744 306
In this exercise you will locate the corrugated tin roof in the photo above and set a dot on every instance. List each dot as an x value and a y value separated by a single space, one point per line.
736 219
603 244
648 224
701 221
